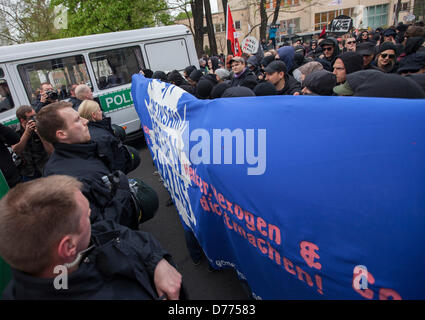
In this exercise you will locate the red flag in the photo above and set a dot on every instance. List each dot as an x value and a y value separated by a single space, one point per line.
323 32
230 34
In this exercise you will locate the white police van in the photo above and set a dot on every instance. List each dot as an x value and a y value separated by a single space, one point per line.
105 62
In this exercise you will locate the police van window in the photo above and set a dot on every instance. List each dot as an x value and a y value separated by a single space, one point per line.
6 101
115 67
61 73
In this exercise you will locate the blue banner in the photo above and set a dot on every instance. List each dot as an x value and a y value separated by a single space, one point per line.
305 197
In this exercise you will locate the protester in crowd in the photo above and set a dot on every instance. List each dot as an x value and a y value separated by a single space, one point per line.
266 60
386 58
413 63
47 95
239 91
315 50
350 44
174 77
110 193
228 62
419 78
330 50
265 89
414 44
347 63
8 137
300 73
222 75
73 99
414 31
212 64
109 138
219 89
160 75
203 66
363 37
389 35
373 83
367 50
187 71
320 83
272 34
242 75
277 74
286 54
33 151
254 66
194 77
104 261
203 89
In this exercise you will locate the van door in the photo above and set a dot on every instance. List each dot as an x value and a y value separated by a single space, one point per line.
8 98
167 55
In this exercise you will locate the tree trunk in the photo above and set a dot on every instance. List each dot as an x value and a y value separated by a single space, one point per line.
198 25
264 20
210 27
397 11
276 11
228 44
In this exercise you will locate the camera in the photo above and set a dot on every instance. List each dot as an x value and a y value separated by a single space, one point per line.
52 95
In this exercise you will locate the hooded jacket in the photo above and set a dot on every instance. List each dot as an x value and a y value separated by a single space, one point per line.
120 265
320 82
286 54
334 43
291 86
373 83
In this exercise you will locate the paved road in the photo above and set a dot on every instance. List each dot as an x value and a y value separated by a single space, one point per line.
167 228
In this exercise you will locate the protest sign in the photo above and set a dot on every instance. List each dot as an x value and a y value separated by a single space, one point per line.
305 197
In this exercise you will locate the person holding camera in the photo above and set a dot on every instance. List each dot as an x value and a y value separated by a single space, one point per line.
33 151
47 95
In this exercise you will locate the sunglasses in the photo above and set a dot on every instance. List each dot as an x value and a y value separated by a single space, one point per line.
385 55
351 42
327 49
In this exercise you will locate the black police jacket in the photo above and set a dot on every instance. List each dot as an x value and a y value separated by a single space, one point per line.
109 145
121 265
85 162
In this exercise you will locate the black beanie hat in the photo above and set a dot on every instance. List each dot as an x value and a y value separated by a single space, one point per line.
265 89
219 89
387 46
195 75
160 75
352 61
203 89
320 82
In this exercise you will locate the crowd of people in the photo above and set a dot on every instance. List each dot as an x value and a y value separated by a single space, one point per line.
72 203
366 63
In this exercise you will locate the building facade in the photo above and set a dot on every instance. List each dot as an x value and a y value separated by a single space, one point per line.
306 17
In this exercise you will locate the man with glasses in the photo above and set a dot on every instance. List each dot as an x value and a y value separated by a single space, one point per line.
330 50
386 58
242 75
350 45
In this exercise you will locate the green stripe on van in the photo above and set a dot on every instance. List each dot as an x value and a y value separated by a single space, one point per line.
11 122
116 100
